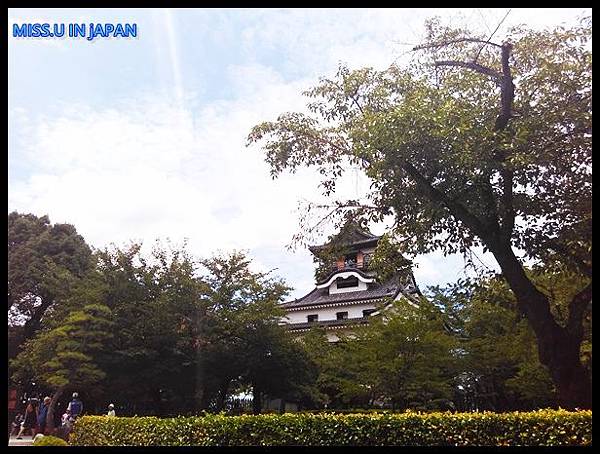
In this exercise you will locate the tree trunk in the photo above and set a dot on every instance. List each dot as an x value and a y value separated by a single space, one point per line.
202 396
52 408
157 400
256 399
558 346
223 394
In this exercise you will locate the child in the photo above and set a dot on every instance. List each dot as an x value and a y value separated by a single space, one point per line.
67 424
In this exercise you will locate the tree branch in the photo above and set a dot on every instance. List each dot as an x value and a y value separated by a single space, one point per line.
453 41
507 93
473 66
492 35
507 96
508 212
458 210
490 201
351 97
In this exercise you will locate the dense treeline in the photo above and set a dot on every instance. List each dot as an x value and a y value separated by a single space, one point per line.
465 347
167 334
155 335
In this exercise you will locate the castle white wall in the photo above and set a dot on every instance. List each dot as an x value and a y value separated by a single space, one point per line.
334 289
327 313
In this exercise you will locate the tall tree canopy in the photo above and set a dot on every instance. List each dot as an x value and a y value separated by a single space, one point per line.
244 341
152 365
405 358
42 260
475 143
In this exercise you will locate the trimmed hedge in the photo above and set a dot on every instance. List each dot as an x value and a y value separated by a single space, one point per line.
49 440
539 428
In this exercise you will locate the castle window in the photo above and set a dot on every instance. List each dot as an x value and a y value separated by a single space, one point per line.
352 281
312 318
368 312
350 261
341 315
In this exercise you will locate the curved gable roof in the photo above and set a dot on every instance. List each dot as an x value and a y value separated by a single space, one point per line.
351 234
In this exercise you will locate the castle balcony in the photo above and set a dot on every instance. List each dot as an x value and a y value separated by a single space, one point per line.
342 265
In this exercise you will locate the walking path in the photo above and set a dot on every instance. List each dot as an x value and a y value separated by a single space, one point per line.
26 441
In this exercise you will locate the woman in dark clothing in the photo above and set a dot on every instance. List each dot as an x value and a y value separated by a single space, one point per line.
30 421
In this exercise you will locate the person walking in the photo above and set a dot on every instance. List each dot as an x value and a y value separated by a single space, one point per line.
111 410
66 424
75 407
16 424
30 420
43 414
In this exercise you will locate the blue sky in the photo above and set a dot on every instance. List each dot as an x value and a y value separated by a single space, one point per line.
144 138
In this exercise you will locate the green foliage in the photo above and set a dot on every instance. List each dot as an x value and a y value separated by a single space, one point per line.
246 342
403 125
157 304
472 144
387 261
196 339
68 354
43 261
49 440
334 378
467 349
498 350
402 359
405 358
540 428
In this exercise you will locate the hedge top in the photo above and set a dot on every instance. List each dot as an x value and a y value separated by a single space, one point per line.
539 428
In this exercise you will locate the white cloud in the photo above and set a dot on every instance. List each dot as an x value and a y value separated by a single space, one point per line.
147 167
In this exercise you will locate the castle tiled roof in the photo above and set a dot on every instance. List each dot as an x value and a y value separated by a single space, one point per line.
318 297
351 235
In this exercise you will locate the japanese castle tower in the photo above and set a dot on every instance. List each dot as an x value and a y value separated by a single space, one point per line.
347 293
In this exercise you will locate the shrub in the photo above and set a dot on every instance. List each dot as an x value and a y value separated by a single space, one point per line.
540 428
49 440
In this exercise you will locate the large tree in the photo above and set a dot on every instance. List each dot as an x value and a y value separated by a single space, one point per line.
242 337
43 260
67 356
499 366
154 353
407 358
476 143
